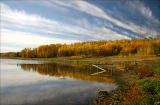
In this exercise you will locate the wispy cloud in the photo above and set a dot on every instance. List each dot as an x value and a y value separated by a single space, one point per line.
146 11
94 10
21 19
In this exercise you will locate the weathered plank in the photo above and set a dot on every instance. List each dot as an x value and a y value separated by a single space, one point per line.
103 70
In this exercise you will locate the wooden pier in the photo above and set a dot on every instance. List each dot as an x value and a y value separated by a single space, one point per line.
112 67
103 70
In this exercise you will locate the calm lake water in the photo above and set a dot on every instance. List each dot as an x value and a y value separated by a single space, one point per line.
31 82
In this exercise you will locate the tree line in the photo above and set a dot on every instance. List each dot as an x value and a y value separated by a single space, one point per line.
124 47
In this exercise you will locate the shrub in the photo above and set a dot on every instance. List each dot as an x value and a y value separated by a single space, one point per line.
151 89
143 72
150 86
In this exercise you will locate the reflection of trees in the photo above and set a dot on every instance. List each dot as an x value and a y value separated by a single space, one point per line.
74 71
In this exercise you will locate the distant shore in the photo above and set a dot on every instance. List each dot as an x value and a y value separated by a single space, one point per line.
91 60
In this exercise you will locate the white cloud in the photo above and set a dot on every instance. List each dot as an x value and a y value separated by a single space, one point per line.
32 22
22 19
25 39
94 10
146 11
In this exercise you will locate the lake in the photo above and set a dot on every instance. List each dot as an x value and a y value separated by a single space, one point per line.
31 82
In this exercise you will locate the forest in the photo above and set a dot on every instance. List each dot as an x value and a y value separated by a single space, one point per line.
123 47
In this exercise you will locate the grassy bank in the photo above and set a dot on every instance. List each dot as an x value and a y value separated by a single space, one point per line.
140 85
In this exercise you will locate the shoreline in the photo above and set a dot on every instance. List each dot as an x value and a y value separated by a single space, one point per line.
90 60
147 69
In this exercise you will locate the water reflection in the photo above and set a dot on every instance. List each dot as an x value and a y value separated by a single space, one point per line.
82 72
50 83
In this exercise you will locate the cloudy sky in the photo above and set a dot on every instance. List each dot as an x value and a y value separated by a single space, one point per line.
30 23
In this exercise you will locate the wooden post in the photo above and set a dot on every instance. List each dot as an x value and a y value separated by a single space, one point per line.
113 67
111 70
135 63
124 66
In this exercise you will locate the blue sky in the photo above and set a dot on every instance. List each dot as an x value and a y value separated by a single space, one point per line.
30 23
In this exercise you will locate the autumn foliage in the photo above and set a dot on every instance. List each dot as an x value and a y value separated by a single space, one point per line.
125 47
